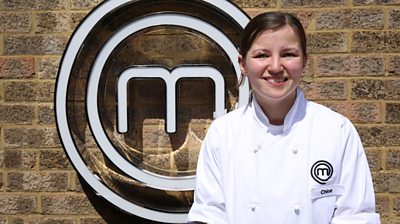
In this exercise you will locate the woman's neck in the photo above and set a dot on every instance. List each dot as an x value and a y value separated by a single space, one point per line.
276 110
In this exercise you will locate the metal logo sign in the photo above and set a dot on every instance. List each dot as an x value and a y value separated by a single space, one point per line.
120 59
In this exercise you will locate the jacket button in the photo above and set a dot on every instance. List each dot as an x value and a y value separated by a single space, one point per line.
295 151
253 208
296 208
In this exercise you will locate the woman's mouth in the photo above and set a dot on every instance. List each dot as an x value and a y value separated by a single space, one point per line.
276 79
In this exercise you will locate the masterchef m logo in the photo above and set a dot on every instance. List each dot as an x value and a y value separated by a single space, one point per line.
131 67
170 79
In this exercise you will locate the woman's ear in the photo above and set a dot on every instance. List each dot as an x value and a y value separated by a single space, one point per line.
241 62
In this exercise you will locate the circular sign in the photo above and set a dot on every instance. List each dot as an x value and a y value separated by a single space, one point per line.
120 40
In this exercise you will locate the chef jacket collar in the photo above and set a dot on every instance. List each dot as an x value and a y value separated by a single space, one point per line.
295 114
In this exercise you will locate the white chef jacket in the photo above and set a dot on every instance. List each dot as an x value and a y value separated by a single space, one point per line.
313 169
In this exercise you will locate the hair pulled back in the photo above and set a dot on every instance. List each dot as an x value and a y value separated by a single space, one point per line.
270 21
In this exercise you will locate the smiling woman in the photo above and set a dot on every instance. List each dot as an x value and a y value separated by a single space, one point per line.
281 159
273 65
273 52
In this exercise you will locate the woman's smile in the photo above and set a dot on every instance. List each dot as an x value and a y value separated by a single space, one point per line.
276 81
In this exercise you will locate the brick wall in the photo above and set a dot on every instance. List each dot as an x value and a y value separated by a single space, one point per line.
354 68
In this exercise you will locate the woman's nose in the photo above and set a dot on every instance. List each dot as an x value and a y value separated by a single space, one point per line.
275 65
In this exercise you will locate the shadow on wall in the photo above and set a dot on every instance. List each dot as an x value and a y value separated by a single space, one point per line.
109 212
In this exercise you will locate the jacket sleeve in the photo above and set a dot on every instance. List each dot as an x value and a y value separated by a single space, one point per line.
209 203
357 205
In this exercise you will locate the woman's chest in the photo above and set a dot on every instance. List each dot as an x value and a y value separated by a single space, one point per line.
282 178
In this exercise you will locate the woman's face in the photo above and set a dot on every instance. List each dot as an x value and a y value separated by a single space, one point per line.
274 64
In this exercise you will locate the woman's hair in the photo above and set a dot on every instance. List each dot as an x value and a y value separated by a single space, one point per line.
270 21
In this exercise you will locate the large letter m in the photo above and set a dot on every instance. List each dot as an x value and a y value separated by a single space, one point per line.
170 78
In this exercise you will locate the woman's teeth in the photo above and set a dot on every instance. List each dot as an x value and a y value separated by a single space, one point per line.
278 80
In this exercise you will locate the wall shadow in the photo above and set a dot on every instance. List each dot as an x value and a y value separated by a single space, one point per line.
108 211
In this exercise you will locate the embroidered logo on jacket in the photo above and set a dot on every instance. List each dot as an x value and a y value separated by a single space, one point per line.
321 171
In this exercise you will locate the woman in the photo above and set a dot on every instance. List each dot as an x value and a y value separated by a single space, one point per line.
281 158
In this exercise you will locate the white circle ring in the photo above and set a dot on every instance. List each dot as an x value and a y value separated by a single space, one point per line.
65 69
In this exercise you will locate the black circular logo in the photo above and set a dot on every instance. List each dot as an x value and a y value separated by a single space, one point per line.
321 171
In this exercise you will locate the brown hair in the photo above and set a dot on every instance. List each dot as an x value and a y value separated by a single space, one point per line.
270 21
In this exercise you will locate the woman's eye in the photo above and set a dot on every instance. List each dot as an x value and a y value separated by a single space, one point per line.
262 56
289 55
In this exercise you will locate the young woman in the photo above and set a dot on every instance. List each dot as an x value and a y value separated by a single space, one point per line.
281 158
